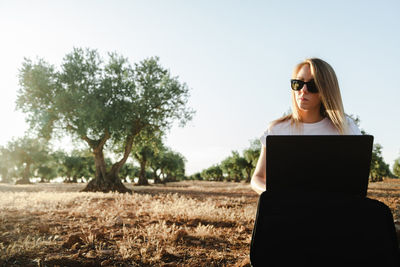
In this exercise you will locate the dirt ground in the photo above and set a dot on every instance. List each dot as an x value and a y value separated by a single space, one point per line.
190 223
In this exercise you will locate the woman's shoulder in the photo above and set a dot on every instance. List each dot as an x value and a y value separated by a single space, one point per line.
276 127
352 125
280 124
350 119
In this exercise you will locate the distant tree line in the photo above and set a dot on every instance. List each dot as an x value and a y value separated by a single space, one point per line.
25 158
236 167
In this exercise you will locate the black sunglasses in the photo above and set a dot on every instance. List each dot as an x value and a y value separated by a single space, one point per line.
298 84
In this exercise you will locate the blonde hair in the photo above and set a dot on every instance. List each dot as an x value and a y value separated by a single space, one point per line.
328 88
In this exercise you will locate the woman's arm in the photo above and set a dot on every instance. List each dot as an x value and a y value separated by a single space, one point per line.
258 179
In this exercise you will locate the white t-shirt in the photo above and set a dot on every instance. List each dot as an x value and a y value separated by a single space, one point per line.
323 127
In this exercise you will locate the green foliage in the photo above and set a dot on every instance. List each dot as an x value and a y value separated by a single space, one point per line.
27 157
88 96
77 165
379 169
233 167
173 166
48 167
129 171
166 164
46 173
253 152
145 150
213 173
196 176
251 156
23 157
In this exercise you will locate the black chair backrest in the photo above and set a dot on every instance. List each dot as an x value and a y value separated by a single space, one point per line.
323 230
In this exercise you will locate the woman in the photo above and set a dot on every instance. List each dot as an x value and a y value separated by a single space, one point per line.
317 109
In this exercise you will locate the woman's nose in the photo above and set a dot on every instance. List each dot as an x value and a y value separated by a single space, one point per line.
305 89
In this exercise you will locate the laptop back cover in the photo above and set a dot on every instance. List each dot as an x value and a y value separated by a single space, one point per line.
319 163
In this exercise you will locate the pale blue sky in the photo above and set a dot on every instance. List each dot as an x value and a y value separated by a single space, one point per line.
236 56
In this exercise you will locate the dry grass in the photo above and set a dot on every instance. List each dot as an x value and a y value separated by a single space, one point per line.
185 224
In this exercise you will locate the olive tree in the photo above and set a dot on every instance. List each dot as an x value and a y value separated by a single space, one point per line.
24 157
213 173
143 152
102 103
233 166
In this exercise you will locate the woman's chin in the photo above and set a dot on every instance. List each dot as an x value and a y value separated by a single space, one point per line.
307 108
304 107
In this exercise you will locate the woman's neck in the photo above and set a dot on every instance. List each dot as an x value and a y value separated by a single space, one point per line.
310 117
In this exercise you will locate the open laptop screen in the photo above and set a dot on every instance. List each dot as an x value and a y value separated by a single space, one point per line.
318 163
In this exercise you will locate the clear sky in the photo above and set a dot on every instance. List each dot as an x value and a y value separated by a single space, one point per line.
235 56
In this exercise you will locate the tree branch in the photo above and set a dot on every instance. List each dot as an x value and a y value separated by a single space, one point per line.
128 147
97 145
127 150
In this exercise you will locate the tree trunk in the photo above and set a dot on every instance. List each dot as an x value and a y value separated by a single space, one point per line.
248 176
170 178
103 181
142 175
68 179
157 179
25 176
5 177
107 181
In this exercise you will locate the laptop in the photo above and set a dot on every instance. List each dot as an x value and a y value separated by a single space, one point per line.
319 163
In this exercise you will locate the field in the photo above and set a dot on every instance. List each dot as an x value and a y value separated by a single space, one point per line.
190 223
